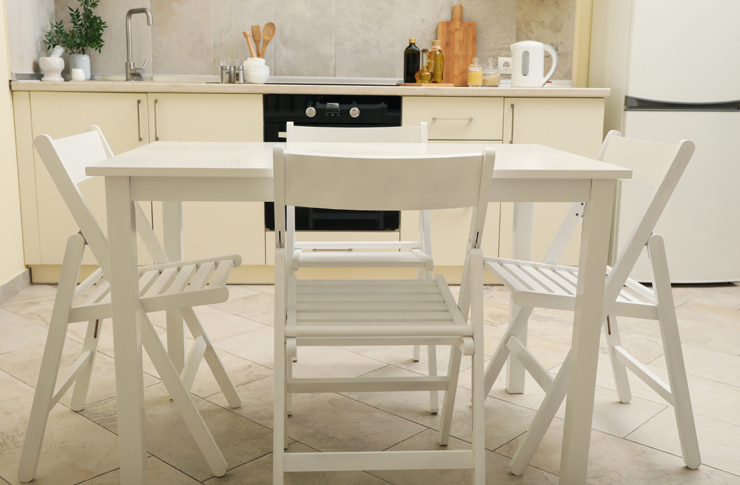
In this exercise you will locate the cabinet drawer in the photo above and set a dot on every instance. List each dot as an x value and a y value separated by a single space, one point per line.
451 118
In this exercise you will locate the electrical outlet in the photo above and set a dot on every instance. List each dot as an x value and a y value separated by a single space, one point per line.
504 65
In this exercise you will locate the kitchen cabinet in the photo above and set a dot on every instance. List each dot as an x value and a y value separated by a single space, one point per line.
213 228
46 221
572 124
456 119
129 120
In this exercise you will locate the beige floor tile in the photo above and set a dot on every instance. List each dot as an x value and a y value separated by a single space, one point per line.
709 327
497 471
725 295
256 346
614 460
19 333
719 442
259 472
330 422
34 303
74 448
257 306
167 437
25 365
256 398
12 387
158 472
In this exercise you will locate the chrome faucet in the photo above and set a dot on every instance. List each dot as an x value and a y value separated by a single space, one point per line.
134 73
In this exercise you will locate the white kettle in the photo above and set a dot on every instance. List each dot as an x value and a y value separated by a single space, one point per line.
528 64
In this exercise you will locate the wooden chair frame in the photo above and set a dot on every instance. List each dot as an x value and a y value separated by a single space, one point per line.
659 167
379 312
174 286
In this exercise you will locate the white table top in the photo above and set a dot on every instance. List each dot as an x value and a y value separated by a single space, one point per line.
254 159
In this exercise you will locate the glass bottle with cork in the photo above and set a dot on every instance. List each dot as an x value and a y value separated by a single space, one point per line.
411 61
424 75
437 57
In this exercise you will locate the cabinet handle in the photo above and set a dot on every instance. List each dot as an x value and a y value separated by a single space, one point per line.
434 118
511 138
138 118
156 125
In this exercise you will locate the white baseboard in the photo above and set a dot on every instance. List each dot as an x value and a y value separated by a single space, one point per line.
14 285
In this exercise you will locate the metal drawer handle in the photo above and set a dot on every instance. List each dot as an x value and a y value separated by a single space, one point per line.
452 119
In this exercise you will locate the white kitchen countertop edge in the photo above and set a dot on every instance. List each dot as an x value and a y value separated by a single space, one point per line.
215 88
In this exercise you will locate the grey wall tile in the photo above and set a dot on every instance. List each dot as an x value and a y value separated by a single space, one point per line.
304 43
345 38
365 44
182 42
230 18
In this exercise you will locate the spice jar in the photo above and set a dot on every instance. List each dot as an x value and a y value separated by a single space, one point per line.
491 76
475 74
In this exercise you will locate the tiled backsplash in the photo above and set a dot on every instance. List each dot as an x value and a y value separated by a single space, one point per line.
343 38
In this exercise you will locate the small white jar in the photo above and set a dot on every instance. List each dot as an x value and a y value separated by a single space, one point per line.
257 75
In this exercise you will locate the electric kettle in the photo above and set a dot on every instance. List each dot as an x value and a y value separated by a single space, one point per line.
528 64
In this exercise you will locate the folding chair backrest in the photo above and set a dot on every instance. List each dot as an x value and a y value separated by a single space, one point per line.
363 183
65 160
655 165
384 134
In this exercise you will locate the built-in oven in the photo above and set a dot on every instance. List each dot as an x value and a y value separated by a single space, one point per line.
331 110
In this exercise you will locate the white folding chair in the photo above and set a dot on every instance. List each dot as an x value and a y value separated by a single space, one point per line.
175 286
387 254
371 312
657 168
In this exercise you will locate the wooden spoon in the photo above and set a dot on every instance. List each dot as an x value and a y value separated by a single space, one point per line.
256 35
252 50
267 34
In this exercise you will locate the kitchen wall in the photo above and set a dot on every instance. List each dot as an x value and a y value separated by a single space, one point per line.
11 242
356 38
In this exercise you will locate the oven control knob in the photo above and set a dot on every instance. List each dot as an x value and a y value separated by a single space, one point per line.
310 111
354 111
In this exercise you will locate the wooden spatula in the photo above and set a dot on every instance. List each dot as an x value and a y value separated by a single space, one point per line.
267 34
256 35
252 50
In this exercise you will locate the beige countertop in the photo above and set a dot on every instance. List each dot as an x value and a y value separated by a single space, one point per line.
551 91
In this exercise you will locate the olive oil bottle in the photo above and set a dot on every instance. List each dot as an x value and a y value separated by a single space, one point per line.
411 61
438 57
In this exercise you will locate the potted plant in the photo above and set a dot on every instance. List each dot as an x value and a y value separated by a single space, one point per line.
85 32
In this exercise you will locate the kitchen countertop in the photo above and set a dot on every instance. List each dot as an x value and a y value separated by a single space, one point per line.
173 85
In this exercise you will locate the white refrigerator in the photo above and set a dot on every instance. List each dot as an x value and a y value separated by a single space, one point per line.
676 71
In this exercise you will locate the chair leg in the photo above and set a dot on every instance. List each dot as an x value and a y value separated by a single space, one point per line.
673 354
432 365
543 418
212 359
501 354
181 398
90 346
618 368
43 399
448 403
515 374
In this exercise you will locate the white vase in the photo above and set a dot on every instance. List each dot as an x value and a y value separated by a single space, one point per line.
80 61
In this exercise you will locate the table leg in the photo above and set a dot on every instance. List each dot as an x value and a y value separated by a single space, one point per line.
522 249
172 241
124 284
586 332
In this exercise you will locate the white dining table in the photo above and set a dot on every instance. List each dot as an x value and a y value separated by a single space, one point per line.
173 172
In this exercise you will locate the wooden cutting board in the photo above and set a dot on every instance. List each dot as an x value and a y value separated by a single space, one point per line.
457 39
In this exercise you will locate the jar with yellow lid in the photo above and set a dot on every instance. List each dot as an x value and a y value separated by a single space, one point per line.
475 74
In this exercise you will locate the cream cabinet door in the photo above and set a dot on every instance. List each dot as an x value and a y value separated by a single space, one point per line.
123 120
213 228
572 124
455 118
